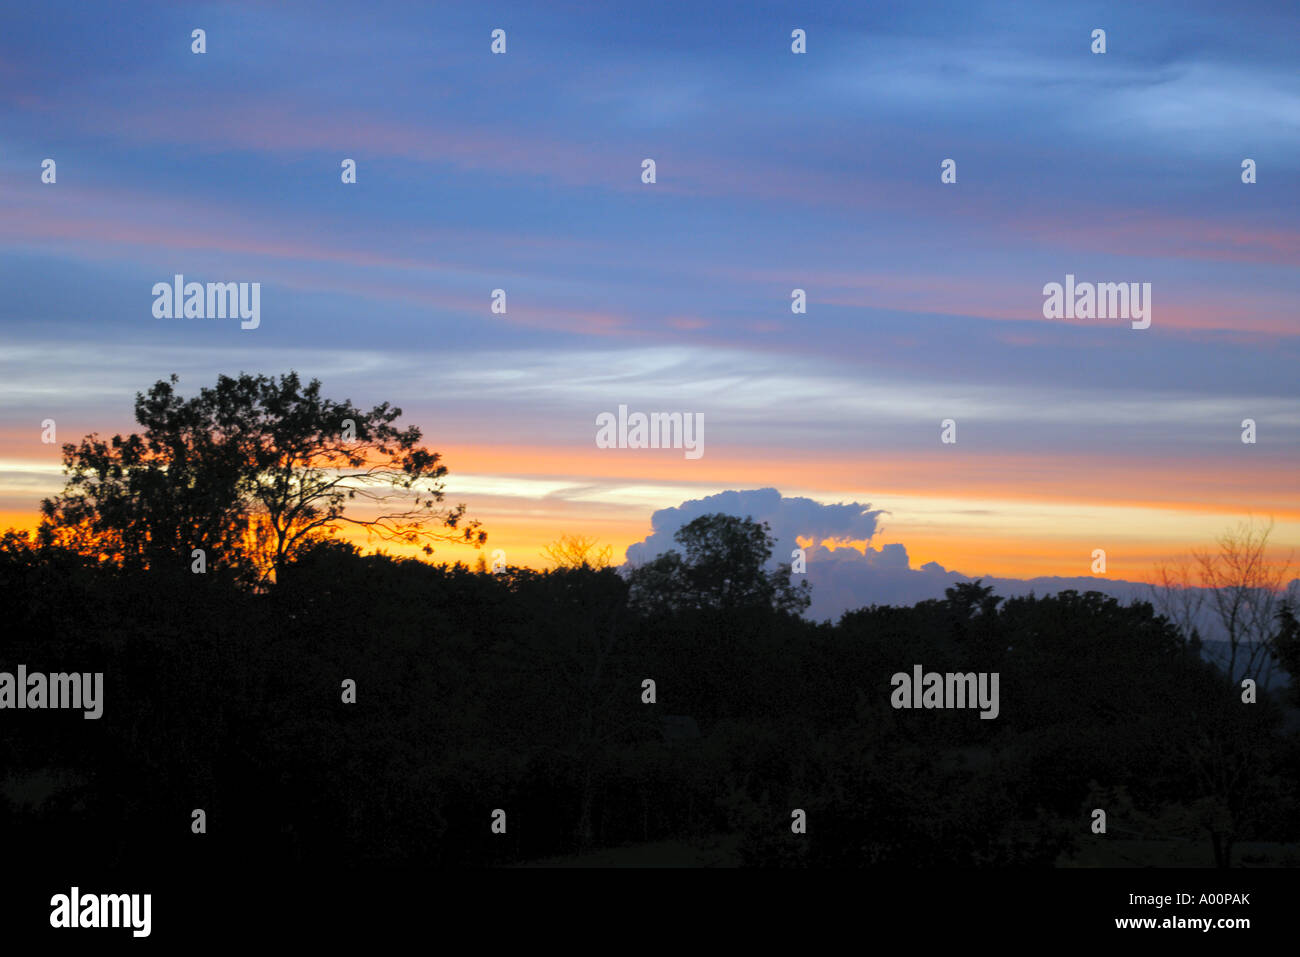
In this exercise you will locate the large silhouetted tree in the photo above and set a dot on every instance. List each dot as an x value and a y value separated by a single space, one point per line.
724 568
251 471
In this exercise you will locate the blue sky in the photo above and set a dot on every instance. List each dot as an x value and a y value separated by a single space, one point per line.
775 171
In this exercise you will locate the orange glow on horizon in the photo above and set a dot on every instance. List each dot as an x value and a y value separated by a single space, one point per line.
1014 516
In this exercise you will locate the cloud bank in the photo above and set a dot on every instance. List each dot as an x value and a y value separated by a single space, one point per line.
844 569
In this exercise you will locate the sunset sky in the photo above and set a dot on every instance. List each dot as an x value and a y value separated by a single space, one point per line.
775 171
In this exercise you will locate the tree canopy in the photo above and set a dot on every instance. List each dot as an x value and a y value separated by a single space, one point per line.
251 471
724 568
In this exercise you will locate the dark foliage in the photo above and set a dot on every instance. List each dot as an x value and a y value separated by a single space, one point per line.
523 691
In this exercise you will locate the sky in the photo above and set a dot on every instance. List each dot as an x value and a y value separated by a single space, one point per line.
775 171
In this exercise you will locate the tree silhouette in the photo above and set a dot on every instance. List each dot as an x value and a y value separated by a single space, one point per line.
528 686
578 551
1246 591
251 471
724 568
1236 588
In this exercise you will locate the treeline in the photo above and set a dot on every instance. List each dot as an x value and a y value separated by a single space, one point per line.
527 691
